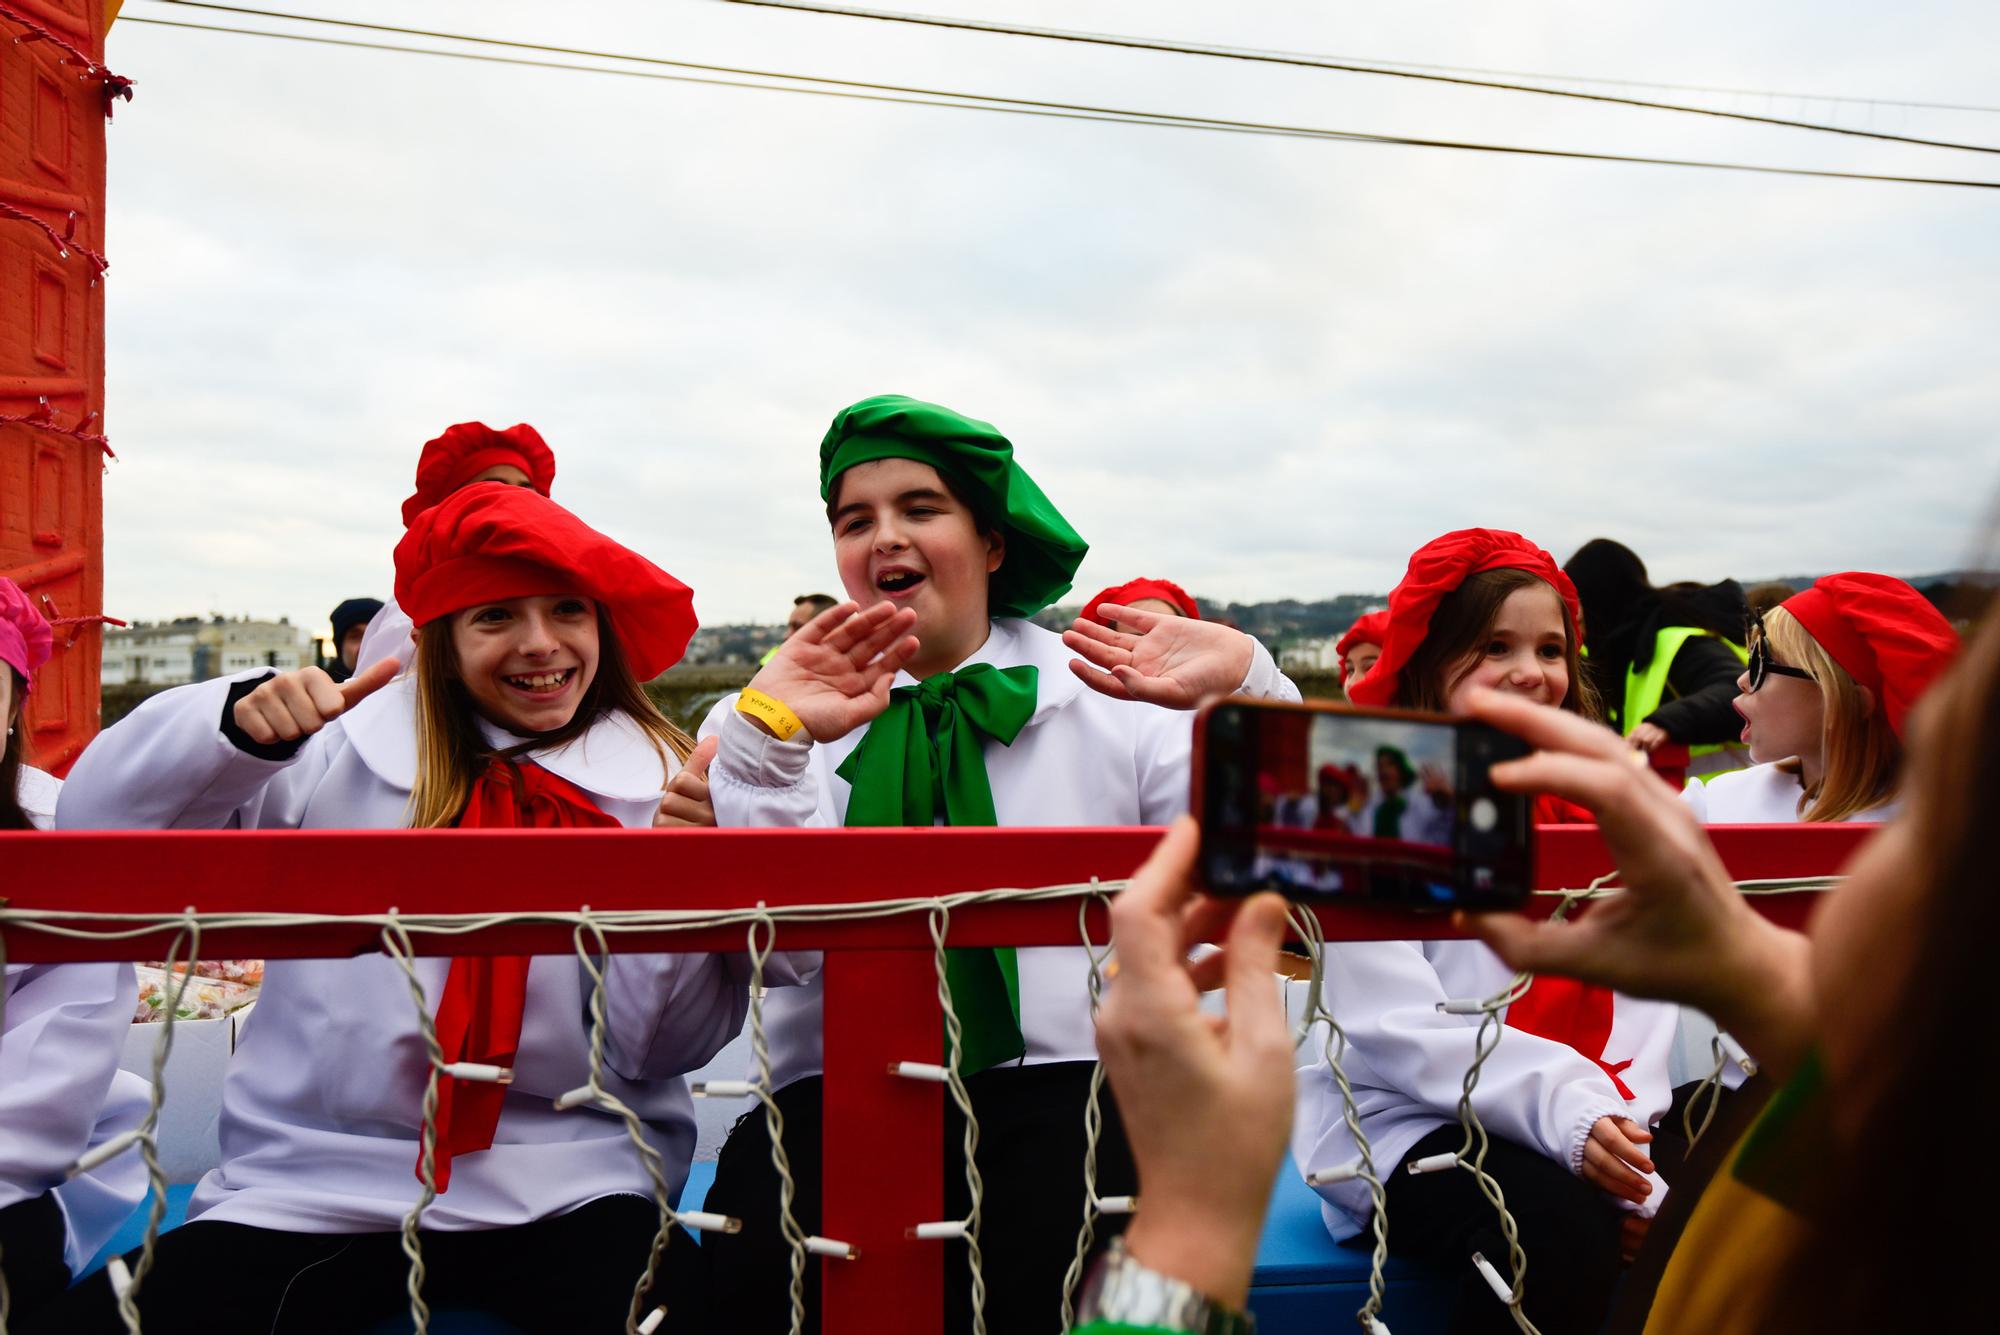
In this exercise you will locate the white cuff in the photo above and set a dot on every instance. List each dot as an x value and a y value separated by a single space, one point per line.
752 756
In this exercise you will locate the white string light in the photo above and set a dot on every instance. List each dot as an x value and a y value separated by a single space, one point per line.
1093 1112
1313 935
398 930
597 964
397 945
975 1187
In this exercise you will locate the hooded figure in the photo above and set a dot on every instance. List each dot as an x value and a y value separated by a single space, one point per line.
1668 657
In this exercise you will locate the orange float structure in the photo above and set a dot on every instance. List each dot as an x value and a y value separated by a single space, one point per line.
55 95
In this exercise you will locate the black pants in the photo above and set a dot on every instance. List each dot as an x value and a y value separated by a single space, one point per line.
1031 1145
571 1272
31 1252
1568 1229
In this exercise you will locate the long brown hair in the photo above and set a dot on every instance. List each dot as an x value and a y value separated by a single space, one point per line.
452 752
1888 1247
1460 627
12 756
1860 758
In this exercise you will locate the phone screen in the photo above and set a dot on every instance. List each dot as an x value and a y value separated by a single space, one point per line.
1327 802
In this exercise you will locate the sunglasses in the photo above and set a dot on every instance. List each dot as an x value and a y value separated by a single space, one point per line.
1761 666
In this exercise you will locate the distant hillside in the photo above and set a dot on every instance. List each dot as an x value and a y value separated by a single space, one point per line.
1291 622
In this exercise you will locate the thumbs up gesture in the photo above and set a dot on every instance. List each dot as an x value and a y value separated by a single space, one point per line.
293 705
686 802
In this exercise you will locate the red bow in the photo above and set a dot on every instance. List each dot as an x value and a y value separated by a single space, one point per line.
479 1012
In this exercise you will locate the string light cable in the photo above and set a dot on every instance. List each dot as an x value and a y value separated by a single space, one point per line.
398 932
911 95
1094 1206
1389 69
1334 1048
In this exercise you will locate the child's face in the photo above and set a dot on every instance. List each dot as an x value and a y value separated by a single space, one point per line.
900 537
1523 654
1785 718
527 662
1361 658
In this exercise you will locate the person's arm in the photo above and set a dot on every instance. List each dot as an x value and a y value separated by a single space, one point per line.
230 752
1703 677
669 1014
1680 931
1172 661
1532 1090
66 1028
1207 1106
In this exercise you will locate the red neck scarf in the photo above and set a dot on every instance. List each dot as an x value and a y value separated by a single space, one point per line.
1562 1009
479 1012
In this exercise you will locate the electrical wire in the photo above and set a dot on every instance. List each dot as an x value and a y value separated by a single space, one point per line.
1393 71
894 93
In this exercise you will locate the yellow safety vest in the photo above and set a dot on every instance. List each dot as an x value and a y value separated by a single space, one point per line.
1644 692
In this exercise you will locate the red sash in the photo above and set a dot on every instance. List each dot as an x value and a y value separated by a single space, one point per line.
479 1012
1563 1009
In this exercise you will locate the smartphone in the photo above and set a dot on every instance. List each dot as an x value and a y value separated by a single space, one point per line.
1330 802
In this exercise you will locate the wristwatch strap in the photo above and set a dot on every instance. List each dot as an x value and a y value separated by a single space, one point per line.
1120 1291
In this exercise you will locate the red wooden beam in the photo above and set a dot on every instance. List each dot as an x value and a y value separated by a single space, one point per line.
560 871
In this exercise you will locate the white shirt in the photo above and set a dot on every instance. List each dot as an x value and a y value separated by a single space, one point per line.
323 1101
61 1091
1760 795
1082 759
1406 1062
388 636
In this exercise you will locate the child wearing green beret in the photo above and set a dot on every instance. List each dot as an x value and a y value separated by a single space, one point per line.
929 699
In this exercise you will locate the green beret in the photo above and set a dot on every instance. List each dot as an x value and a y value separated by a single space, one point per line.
1043 551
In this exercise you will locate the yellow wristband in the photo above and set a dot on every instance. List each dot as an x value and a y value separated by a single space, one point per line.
773 714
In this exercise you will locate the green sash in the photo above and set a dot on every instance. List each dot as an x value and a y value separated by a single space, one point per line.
923 759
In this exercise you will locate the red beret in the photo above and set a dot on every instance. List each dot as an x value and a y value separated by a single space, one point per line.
1438 567
1124 595
465 451
25 638
492 542
1882 632
1369 629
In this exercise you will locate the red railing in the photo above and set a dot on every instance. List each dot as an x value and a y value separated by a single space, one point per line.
880 968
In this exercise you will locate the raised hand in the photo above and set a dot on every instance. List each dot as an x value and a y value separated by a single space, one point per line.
686 801
1173 661
1680 930
835 673
298 704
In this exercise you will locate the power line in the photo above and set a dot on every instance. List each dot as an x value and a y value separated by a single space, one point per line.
915 96
1394 70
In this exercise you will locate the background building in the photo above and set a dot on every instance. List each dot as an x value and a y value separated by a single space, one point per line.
173 653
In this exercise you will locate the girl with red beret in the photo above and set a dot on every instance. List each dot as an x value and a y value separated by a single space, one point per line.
942 703
1361 645
525 711
1580 1075
466 453
1833 673
1160 596
62 1030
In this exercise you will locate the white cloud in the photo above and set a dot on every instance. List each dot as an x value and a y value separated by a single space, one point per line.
1263 368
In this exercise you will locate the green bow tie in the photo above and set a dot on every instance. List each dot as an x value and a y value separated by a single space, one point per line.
925 757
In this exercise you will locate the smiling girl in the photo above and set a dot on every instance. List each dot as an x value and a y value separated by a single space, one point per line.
939 704
1579 1076
525 711
1833 672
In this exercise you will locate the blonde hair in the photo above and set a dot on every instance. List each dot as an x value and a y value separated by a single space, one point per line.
1860 759
452 752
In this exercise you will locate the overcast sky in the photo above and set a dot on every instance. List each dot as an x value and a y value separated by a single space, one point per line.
1261 367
